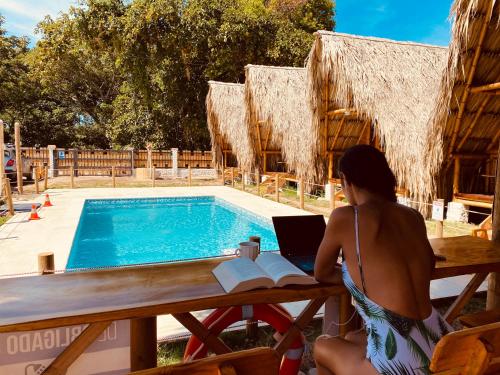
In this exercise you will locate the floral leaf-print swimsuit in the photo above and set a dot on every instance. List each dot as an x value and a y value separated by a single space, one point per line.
397 345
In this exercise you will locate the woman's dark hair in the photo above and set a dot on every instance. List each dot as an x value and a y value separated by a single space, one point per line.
367 168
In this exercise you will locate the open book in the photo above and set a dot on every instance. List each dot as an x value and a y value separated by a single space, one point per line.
269 270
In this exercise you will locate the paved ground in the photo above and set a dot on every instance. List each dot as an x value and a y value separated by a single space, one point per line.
21 240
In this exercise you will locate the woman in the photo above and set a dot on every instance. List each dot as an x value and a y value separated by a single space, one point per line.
387 267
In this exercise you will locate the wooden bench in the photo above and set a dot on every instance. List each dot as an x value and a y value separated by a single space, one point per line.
480 318
262 361
472 351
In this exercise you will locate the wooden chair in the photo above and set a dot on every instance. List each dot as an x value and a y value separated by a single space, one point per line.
472 351
261 361
480 318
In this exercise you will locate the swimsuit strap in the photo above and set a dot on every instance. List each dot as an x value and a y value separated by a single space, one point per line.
356 231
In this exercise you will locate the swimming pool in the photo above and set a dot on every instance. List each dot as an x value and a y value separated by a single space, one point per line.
115 232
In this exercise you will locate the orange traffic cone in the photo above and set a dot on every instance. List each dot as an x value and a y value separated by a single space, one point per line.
34 214
47 202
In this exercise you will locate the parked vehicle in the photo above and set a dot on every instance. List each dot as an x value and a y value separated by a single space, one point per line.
9 160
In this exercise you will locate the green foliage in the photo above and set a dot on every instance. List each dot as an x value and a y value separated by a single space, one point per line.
122 73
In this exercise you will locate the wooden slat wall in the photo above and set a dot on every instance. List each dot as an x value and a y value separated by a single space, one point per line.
100 162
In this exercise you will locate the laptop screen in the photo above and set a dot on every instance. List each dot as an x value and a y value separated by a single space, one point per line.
299 235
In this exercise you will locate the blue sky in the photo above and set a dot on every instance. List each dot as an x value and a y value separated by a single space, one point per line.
424 21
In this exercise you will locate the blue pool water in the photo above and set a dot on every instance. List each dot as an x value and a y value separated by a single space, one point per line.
133 231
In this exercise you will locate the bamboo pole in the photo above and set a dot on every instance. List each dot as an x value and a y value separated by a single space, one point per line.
257 180
264 163
456 176
189 175
301 193
45 177
19 160
46 263
277 188
113 175
332 194
232 176
493 296
223 171
37 186
72 177
330 165
8 195
2 164
153 177
490 87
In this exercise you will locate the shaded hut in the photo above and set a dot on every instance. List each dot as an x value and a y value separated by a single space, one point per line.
226 123
466 120
378 91
279 118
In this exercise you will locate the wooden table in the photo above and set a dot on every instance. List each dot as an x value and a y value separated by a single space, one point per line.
465 255
100 297
103 296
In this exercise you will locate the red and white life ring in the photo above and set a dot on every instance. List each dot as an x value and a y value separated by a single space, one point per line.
274 315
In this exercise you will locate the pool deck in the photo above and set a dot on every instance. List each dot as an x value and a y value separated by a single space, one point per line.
22 240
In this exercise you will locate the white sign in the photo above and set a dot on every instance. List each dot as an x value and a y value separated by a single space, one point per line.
60 154
31 352
438 210
457 212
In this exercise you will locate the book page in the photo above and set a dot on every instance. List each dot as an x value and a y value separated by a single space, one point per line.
241 274
281 270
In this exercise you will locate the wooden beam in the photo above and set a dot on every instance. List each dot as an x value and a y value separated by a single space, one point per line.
494 142
69 355
341 125
493 297
457 306
259 140
470 156
324 147
473 122
456 176
470 76
341 111
483 88
267 136
363 131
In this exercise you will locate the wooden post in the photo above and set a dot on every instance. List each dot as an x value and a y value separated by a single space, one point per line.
153 182
223 171
113 175
456 176
46 263
439 229
264 162
232 176
493 297
45 177
257 180
72 175
189 175
37 187
143 343
277 187
242 180
332 194
8 195
19 160
330 165
301 193
2 164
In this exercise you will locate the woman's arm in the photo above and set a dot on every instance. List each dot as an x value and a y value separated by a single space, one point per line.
326 269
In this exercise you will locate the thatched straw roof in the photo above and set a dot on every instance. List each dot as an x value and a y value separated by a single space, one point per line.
279 117
226 122
466 118
390 85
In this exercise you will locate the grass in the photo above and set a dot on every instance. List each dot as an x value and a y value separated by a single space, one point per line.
3 219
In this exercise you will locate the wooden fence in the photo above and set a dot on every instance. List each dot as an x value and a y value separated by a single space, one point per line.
100 162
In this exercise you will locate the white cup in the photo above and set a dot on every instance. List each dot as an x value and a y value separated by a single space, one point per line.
248 249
